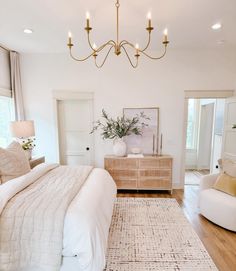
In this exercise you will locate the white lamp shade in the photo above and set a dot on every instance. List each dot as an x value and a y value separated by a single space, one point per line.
22 129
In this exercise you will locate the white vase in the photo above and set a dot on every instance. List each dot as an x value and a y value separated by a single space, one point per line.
119 147
28 154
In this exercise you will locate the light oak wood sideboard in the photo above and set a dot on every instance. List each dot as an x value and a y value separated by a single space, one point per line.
147 173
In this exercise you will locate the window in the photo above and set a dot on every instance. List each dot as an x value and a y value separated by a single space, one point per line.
192 125
6 102
6 115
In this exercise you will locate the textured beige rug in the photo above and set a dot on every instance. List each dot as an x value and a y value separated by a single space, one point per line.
153 235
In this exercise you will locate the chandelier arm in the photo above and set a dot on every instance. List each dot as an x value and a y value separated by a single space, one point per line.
125 42
148 42
131 63
155 58
100 66
89 42
82 59
110 42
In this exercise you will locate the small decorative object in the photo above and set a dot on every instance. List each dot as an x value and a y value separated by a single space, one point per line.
135 150
119 128
28 146
148 143
161 146
24 132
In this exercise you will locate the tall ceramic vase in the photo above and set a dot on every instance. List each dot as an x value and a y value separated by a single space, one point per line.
119 147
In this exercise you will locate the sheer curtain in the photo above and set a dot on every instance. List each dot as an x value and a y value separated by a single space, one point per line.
16 86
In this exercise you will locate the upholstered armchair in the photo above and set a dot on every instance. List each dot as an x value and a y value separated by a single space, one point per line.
215 205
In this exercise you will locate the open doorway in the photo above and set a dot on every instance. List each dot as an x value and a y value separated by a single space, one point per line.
203 138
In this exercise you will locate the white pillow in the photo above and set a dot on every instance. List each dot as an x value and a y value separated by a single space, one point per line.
229 167
13 162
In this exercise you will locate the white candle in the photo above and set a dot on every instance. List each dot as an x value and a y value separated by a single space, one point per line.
149 16
165 34
87 18
69 37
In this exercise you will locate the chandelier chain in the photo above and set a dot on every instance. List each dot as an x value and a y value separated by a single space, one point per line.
117 4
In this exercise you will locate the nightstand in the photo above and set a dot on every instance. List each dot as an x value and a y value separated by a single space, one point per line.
34 161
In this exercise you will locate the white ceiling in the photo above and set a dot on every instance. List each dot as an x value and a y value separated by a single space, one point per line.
189 23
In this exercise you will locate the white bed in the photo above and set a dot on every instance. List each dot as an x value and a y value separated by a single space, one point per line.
86 223
92 211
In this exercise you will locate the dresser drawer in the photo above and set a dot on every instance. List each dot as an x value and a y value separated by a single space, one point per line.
121 163
151 183
124 174
145 173
155 163
126 183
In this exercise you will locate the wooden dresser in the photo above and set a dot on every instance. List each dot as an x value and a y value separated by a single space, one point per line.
147 173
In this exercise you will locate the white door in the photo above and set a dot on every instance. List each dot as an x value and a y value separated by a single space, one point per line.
75 118
205 136
229 135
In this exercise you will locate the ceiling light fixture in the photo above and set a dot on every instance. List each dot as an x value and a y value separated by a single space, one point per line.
216 26
117 45
28 31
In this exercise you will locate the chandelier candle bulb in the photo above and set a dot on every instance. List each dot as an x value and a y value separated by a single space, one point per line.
69 38
87 19
149 16
137 50
94 47
165 35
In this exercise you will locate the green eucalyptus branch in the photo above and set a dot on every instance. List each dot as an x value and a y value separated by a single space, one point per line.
121 126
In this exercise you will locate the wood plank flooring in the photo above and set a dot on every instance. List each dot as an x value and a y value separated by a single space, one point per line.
193 177
220 243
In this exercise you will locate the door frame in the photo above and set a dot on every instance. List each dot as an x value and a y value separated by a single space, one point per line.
196 94
63 95
227 127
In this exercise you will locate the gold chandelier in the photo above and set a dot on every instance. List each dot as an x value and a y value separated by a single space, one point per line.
118 45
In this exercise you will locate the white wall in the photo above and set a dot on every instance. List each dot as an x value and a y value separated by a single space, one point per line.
117 85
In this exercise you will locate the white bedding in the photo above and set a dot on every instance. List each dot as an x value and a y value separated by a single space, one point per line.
86 222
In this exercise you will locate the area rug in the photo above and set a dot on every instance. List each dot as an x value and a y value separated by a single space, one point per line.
152 235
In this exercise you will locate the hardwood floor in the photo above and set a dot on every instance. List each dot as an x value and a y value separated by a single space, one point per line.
193 177
220 243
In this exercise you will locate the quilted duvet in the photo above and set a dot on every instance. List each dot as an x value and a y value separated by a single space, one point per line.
32 217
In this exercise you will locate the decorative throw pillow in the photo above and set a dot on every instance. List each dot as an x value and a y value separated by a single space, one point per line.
13 162
229 167
226 183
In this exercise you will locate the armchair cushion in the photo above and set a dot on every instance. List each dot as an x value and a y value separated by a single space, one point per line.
226 183
208 181
229 167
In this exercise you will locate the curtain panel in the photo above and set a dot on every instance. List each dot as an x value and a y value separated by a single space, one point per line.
16 86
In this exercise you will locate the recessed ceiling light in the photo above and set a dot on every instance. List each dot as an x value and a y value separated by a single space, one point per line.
216 26
28 31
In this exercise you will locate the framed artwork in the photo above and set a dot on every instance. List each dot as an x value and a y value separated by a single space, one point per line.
148 142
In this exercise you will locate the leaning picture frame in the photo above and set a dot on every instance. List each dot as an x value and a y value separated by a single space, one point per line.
148 142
